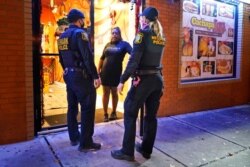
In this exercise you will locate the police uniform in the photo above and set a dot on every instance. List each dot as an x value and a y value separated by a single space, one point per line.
77 61
145 62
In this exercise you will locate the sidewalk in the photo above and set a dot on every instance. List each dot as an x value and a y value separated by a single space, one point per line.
214 138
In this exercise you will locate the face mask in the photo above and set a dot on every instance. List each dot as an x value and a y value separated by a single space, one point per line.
82 25
143 24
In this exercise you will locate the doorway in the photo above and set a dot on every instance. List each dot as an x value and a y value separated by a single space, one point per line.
101 16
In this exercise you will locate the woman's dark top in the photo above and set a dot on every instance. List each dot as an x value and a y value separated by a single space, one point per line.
113 55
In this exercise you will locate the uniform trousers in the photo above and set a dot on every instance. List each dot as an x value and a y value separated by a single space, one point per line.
80 89
148 92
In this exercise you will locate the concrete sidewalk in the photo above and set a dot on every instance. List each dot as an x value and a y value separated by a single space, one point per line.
214 138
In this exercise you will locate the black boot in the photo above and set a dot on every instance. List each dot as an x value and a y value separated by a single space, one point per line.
118 154
140 150
91 147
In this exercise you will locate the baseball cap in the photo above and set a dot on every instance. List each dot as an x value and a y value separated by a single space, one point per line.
74 15
150 13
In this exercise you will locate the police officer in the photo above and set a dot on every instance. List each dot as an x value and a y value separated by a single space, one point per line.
145 67
81 78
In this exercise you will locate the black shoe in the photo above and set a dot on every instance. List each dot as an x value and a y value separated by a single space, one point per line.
118 154
106 118
113 116
139 149
92 147
74 143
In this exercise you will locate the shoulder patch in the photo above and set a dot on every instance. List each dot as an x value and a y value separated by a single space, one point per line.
138 38
85 36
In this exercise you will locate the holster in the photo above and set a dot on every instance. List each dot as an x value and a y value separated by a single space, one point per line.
85 75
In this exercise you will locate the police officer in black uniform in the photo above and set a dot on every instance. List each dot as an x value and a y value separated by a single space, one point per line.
81 78
145 67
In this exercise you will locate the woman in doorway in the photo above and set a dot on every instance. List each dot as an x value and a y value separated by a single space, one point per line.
110 69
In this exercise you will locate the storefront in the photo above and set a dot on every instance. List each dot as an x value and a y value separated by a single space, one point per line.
206 61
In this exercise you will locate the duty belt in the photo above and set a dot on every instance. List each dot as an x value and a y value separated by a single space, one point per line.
73 69
147 72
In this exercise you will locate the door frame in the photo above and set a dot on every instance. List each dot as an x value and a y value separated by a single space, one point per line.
37 65
36 43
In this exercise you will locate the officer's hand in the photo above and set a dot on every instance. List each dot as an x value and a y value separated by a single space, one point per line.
97 83
120 88
136 81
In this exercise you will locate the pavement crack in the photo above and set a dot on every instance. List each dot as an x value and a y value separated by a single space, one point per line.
53 152
228 155
170 156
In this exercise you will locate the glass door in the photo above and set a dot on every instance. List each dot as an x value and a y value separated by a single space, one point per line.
53 22
100 17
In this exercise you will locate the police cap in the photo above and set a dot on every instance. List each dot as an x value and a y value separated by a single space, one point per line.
74 15
150 13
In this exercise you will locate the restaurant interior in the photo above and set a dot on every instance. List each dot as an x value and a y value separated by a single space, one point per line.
100 17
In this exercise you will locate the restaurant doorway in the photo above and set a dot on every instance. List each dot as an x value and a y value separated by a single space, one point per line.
100 17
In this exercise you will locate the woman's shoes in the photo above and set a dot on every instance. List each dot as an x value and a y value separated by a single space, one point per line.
113 116
106 117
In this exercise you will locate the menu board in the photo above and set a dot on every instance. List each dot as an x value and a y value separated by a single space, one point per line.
207 40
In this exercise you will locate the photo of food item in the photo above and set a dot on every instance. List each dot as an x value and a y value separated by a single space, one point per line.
230 32
209 9
219 27
226 11
225 48
209 67
206 46
191 6
187 43
191 69
223 66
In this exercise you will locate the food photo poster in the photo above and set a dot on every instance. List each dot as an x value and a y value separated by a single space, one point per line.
207 40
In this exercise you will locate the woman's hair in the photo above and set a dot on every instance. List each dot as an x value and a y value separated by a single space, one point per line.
157 28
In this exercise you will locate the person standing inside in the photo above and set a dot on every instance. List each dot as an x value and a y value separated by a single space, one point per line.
145 66
81 78
110 69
